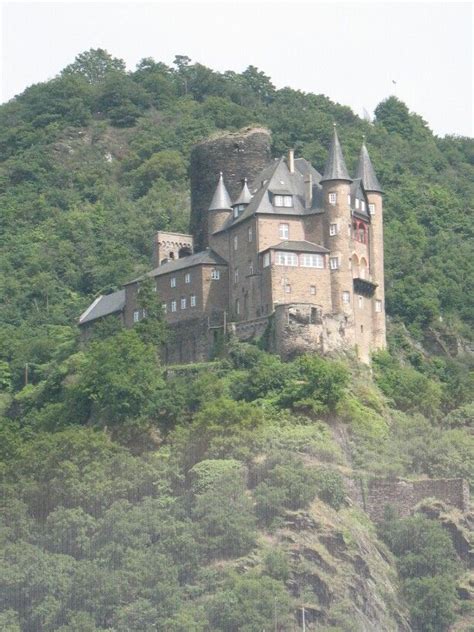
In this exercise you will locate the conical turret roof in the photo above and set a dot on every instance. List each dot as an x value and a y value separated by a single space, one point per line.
221 199
366 171
335 166
245 195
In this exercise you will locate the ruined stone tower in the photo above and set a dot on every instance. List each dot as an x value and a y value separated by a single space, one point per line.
239 155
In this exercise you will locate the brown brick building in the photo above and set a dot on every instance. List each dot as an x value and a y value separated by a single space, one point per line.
297 252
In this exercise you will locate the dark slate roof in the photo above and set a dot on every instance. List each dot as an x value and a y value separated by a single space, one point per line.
277 179
103 306
205 257
221 199
358 192
366 172
299 246
335 168
245 195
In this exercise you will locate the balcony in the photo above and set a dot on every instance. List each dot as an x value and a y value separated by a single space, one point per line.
364 287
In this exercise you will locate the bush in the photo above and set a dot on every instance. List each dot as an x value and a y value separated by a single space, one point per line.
285 484
318 385
330 488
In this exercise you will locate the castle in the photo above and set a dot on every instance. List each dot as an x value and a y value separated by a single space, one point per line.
276 249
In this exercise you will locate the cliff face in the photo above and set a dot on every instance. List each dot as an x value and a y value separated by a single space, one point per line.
340 572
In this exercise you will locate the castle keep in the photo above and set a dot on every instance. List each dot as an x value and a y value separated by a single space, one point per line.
276 248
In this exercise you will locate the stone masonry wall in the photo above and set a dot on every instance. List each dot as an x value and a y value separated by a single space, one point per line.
238 155
404 495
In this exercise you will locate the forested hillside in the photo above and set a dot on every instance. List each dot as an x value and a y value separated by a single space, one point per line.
216 497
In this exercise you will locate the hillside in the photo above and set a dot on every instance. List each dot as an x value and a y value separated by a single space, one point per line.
220 496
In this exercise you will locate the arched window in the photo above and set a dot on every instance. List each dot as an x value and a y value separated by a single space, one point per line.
355 266
363 268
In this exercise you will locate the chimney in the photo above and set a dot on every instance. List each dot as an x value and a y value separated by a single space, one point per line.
291 160
308 190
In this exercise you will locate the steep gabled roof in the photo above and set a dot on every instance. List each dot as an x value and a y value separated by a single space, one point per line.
276 179
205 257
357 191
335 168
103 306
221 199
366 172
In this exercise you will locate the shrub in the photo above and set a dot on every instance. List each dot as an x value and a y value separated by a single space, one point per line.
330 487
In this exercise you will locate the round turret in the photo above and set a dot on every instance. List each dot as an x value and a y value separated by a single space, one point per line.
238 155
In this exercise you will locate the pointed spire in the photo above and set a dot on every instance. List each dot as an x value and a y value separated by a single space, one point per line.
221 199
245 195
335 166
366 171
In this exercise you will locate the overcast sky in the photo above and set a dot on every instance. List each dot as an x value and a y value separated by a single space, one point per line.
351 52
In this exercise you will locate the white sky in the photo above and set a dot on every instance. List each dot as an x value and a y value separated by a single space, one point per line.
348 51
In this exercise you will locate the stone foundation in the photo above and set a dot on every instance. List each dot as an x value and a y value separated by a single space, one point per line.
302 328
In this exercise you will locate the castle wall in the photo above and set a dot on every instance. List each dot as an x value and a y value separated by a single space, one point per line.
238 155
190 341
269 230
404 495
168 246
293 284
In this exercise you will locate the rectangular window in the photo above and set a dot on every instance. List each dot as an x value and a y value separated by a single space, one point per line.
333 229
236 212
346 298
237 306
334 263
361 301
284 231
332 198
183 303
250 233
348 199
378 306
193 300
165 307
266 260
173 306
312 289
283 200
187 277
236 242
288 288
362 205
250 268
136 316
173 282
215 275
312 261
371 209
286 259
357 202
236 275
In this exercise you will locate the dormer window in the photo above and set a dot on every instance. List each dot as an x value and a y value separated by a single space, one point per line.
238 208
357 202
362 205
283 200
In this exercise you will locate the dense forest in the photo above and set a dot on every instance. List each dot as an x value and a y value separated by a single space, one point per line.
135 497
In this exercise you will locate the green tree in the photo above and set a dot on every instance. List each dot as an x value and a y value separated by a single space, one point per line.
119 376
222 510
94 65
